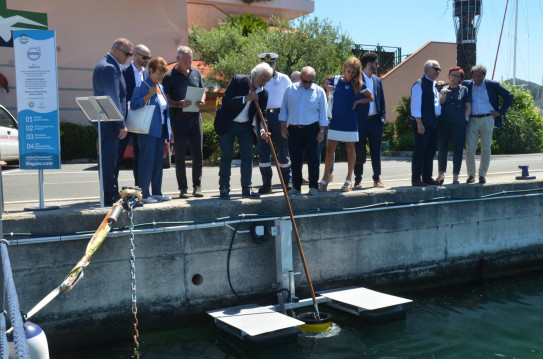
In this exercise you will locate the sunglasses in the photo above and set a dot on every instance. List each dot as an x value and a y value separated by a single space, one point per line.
144 57
436 68
128 54
307 81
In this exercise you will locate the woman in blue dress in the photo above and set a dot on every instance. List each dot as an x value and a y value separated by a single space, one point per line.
349 92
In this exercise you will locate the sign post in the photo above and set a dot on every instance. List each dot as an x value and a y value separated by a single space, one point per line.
37 103
99 109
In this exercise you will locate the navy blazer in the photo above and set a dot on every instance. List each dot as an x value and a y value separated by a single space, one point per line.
494 90
130 80
362 110
232 104
107 80
136 102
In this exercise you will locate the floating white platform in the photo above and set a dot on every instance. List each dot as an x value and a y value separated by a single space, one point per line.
361 299
252 319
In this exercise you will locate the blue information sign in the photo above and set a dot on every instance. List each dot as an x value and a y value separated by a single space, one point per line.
37 99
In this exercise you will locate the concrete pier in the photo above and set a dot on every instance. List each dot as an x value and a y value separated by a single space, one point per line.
399 238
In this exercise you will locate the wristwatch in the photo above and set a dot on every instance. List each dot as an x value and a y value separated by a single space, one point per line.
322 131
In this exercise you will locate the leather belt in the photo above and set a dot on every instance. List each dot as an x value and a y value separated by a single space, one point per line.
302 126
373 117
481 116
272 110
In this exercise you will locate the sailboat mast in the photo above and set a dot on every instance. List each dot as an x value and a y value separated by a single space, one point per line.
515 47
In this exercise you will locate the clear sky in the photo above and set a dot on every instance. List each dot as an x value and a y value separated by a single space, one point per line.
411 24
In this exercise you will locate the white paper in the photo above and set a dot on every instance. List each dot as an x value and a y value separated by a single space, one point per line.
194 94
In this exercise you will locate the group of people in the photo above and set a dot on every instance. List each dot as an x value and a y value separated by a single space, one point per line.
456 113
148 81
299 116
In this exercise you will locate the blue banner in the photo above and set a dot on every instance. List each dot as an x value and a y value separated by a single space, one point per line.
37 99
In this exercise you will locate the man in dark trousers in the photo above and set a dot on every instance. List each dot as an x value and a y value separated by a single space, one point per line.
425 108
133 75
186 126
276 87
107 80
486 113
371 118
237 118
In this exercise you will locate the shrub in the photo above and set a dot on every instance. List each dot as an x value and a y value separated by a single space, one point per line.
404 134
77 141
522 130
388 134
211 149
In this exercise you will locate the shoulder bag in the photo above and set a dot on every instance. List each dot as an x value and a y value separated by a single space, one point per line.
139 120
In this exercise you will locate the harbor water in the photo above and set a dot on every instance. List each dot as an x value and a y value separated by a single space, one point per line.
500 318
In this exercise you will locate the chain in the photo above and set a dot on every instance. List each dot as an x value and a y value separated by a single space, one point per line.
133 277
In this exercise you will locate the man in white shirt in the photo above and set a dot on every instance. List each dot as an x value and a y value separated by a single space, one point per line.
425 108
303 122
371 118
276 88
133 75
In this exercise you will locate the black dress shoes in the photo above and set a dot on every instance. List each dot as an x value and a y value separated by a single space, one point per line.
248 193
482 180
224 193
470 179
431 182
418 183
266 188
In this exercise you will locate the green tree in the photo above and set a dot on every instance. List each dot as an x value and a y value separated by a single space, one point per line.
247 23
404 134
302 42
522 130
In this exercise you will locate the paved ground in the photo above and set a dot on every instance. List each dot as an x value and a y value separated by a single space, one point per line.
77 184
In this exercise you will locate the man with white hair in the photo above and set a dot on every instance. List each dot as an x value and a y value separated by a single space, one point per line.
425 108
237 117
303 122
185 125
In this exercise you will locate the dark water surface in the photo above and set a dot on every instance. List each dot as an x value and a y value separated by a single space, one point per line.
498 319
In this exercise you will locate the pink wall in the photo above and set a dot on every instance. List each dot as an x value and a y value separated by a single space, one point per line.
85 31
398 81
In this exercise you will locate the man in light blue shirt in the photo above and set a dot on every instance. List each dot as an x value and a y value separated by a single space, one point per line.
303 122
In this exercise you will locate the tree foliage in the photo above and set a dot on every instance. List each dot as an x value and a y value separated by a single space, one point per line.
302 42
247 23
522 130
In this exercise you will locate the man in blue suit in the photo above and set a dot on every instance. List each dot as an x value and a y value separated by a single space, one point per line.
107 80
133 74
486 113
371 117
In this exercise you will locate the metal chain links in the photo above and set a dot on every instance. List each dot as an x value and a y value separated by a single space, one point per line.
131 205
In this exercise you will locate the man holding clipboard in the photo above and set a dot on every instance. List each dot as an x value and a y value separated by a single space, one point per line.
184 90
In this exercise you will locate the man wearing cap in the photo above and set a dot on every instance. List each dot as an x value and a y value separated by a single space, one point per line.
276 88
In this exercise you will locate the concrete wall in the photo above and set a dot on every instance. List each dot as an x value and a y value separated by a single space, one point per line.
398 81
399 246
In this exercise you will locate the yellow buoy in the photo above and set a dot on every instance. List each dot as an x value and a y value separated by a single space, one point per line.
314 323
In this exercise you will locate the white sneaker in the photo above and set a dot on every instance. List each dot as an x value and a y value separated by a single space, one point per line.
161 197
294 192
312 192
149 199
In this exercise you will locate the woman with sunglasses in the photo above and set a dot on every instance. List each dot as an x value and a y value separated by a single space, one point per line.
349 92
455 110
151 145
